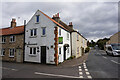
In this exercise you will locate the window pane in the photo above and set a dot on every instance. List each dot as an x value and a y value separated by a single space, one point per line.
31 32
43 30
37 18
3 51
35 32
13 38
59 50
34 51
30 50
59 31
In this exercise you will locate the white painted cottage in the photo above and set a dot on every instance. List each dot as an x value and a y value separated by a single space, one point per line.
46 41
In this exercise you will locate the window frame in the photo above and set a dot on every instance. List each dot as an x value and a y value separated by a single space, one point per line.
32 49
42 31
60 50
77 37
37 18
11 38
3 39
2 52
59 32
32 32
13 52
67 36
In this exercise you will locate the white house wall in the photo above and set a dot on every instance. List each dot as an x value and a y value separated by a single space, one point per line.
65 41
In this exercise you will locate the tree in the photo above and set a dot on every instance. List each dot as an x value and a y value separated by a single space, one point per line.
102 42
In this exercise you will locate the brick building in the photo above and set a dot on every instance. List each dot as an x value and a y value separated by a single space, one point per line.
12 43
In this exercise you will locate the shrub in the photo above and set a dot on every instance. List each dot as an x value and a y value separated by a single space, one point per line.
87 49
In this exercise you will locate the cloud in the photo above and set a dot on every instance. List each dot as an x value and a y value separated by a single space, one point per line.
93 20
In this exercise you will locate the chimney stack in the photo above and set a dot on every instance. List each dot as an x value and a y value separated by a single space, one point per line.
13 23
56 17
70 24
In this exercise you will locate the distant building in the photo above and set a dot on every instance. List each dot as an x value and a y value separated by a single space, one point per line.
79 44
114 38
12 42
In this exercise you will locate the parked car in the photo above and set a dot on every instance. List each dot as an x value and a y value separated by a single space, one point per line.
113 49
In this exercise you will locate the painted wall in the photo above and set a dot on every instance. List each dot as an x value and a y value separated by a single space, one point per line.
65 41
48 40
39 41
78 44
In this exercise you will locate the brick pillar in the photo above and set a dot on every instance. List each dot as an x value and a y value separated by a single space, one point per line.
56 46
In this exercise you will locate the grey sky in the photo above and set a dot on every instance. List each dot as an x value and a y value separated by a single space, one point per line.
93 20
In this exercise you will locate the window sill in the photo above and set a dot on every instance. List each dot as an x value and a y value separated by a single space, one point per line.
37 22
43 35
32 55
12 42
2 55
32 36
11 56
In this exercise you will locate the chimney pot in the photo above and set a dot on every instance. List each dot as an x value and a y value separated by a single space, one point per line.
13 23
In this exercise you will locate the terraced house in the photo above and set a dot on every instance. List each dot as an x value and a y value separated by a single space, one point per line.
12 43
79 44
46 40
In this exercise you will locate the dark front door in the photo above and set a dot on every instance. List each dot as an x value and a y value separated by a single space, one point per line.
43 54
64 53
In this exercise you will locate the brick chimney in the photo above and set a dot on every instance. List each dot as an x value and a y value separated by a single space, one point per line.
70 24
56 17
13 23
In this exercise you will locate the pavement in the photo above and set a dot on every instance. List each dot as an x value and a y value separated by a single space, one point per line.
75 61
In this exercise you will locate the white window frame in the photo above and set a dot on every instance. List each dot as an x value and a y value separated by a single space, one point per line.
2 52
61 50
33 32
59 32
68 50
42 31
77 37
12 38
67 36
36 19
13 52
33 50
3 39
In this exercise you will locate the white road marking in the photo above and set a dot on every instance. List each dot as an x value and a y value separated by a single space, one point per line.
80 76
115 62
89 76
80 73
104 57
86 69
8 68
56 75
80 69
84 63
87 73
79 66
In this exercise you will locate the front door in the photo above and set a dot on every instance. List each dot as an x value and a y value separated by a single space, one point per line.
18 55
43 54
64 53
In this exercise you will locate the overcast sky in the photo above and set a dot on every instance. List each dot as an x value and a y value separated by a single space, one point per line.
93 20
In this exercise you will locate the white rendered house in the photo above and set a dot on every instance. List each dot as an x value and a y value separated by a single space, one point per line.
46 41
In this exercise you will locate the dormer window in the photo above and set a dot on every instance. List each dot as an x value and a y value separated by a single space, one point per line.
37 18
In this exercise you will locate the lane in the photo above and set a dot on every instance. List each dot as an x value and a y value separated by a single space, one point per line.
100 67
